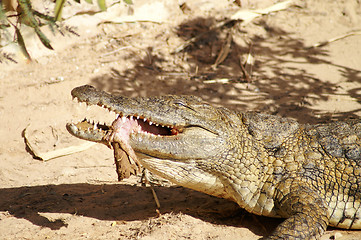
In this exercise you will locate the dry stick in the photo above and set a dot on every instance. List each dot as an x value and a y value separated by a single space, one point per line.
127 164
56 153
324 43
248 62
244 71
224 51
248 15
147 180
219 80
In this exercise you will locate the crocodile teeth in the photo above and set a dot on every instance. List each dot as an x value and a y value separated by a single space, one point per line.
131 117
150 123
144 119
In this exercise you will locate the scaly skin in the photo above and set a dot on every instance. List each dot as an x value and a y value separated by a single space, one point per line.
271 166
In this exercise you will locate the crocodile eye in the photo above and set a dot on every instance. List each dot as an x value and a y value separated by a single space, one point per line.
180 104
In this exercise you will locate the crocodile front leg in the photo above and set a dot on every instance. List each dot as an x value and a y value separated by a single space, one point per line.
304 208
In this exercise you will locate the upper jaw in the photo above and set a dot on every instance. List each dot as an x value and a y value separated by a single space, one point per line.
169 111
150 110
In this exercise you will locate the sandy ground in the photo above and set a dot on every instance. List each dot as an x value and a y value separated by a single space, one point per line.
77 196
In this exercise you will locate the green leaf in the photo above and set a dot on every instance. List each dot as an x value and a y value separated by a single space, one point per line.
129 2
59 4
27 16
2 12
44 40
21 43
44 16
102 5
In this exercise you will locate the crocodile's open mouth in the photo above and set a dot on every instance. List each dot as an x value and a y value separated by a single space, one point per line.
120 129
165 127
117 136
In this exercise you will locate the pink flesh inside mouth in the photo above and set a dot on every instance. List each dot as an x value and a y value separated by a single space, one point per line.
122 127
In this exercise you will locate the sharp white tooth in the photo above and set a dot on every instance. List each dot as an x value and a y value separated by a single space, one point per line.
157 124
137 117
150 123
131 117
144 119
95 127
124 119
116 115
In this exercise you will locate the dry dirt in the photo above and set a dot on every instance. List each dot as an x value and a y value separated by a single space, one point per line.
77 196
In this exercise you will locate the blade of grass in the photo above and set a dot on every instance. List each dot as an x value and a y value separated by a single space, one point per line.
44 40
59 4
102 5
29 19
21 43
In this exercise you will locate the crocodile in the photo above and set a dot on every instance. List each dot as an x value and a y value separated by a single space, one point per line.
310 175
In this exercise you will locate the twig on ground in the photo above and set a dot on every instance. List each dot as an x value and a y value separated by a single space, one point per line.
45 156
247 65
220 80
247 15
324 43
224 51
147 180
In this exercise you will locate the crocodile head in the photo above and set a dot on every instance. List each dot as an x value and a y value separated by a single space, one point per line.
169 134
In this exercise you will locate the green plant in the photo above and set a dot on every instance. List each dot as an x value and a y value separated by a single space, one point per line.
14 16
